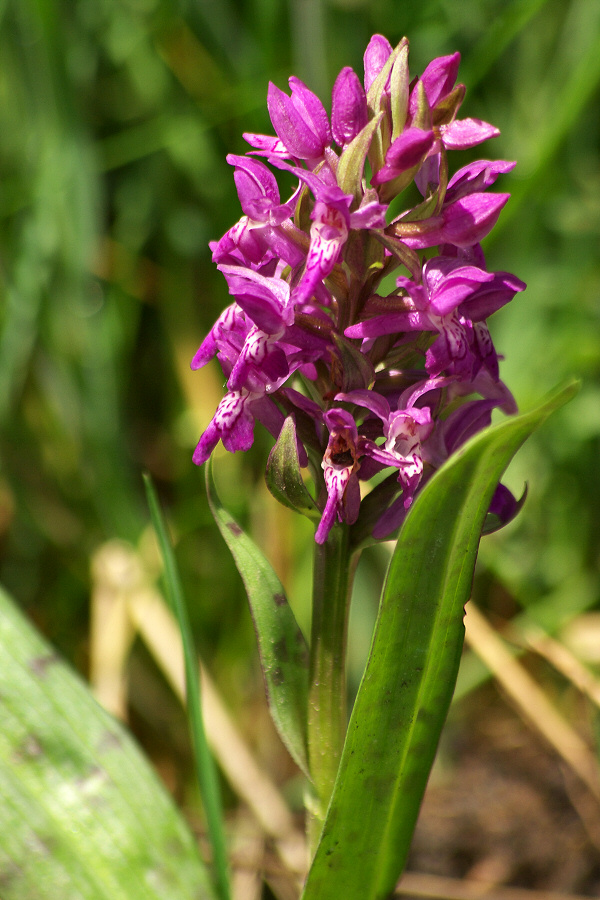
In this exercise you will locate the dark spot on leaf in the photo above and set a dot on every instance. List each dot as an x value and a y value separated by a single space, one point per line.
301 658
9 873
234 529
279 599
277 677
39 665
43 846
108 741
175 847
281 650
29 749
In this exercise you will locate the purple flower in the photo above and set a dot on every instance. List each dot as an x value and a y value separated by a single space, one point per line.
406 152
404 429
299 120
376 55
349 112
464 222
340 465
416 372
233 423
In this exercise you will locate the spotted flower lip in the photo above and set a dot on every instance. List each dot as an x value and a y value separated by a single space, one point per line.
376 385
340 465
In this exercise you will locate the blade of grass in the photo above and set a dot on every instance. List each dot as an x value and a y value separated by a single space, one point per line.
205 766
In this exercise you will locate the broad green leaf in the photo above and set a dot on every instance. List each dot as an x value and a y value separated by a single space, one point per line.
283 476
410 676
83 816
281 645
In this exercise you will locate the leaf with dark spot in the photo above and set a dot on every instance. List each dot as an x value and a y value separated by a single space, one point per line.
281 645
83 815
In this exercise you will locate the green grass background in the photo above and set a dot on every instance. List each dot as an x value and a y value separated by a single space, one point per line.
115 119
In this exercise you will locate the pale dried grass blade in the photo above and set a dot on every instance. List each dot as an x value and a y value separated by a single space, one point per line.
115 573
564 661
436 887
530 700
159 631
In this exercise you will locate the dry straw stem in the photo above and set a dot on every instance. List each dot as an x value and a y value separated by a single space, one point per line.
530 700
435 887
562 659
119 572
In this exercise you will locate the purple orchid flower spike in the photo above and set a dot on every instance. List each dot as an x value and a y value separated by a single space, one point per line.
308 328
340 465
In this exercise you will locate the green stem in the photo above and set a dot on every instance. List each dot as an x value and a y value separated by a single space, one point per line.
327 715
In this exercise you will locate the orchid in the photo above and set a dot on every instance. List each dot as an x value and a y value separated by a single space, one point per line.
358 337
304 275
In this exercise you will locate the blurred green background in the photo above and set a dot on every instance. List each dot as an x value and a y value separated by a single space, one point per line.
115 119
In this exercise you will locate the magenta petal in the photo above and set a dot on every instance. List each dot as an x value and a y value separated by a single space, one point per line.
371 400
206 444
464 133
300 120
371 215
266 145
253 181
408 149
349 112
389 324
327 519
463 223
468 220
375 57
439 77
488 298
475 177
310 107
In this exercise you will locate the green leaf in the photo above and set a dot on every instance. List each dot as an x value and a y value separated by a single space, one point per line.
399 89
410 676
281 645
83 816
353 369
283 475
206 770
352 161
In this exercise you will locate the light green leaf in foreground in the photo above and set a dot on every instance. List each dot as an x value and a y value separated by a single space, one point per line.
82 814
411 672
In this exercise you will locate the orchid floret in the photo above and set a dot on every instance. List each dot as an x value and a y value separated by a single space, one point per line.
373 382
